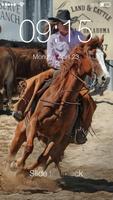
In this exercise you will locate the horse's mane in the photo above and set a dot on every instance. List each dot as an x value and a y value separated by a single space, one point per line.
73 60
66 65
94 42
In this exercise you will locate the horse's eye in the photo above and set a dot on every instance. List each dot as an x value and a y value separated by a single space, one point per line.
105 55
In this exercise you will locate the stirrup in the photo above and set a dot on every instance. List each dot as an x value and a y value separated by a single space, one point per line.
80 136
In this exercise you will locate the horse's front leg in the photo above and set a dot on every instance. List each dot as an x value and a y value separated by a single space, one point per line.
31 133
18 139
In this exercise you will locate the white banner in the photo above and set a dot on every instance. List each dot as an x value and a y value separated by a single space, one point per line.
11 15
97 16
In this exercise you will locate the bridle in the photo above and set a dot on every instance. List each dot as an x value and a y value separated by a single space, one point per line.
94 82
24 100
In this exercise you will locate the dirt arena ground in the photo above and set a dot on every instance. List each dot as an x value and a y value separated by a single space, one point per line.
88 168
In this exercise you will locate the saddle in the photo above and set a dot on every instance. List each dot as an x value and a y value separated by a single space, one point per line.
43 88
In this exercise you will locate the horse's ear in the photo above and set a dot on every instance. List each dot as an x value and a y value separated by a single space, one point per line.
101 40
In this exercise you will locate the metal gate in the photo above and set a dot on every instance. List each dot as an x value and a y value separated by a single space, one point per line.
36 10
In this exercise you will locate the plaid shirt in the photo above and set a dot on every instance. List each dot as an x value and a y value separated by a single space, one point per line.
58 47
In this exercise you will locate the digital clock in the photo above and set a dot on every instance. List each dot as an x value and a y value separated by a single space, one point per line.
68 23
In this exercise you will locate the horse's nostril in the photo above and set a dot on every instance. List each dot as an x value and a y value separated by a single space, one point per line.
103 78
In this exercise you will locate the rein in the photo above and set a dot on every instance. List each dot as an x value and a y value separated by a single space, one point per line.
67 102
86 87
63 102
25 100
108 63
94 82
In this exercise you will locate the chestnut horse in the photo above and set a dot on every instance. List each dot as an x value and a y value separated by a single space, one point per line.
57 110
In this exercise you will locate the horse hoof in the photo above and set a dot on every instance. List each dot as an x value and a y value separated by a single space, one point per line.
17 115
13 165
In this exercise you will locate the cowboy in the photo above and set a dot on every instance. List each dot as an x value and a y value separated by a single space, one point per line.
60 43
58 48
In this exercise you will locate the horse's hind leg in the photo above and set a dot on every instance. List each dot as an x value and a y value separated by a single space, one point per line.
17 141
46 158
50 154
42 159
49 161
57 153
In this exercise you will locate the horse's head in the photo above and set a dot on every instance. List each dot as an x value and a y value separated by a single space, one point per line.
80 60
90 59
95 51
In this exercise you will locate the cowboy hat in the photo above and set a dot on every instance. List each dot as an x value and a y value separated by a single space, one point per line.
62 15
